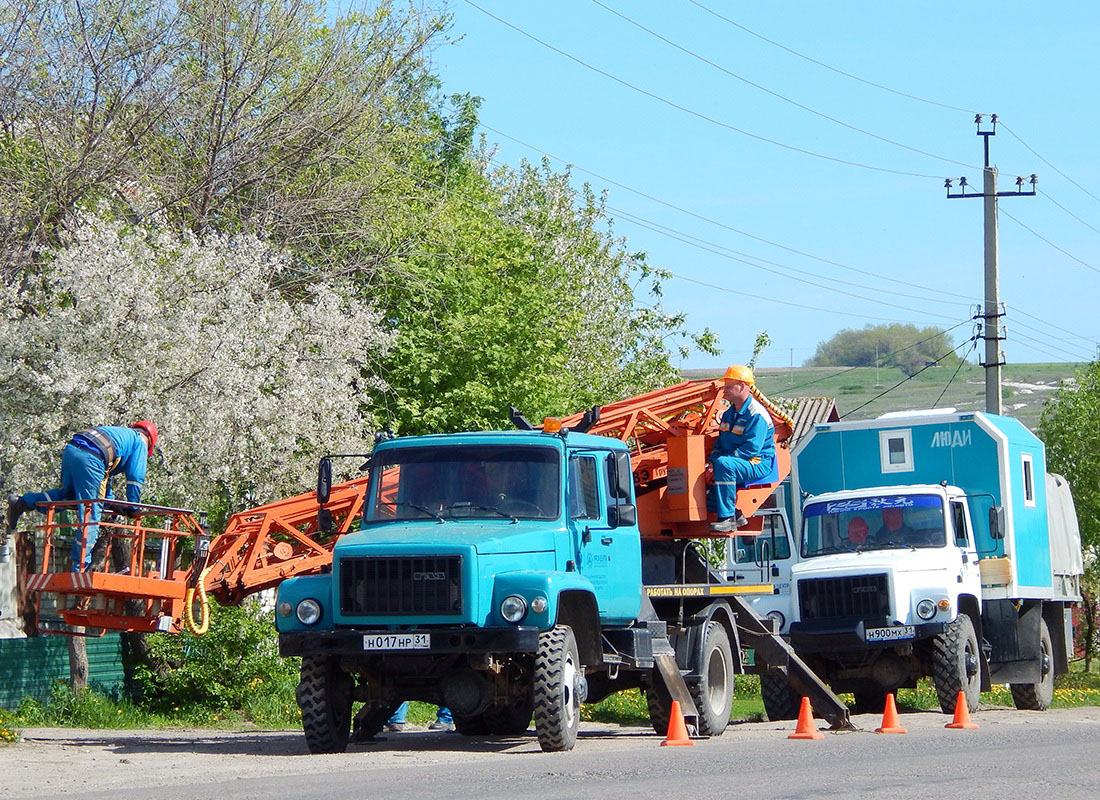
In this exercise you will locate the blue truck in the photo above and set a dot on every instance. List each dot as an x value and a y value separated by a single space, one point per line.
932 544
503 574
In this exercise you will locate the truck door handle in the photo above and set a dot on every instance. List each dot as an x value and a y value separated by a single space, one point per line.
605 540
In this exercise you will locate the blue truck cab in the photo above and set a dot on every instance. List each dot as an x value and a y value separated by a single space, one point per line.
485 570
933 544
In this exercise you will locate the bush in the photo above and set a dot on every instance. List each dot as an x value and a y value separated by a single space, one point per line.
235 666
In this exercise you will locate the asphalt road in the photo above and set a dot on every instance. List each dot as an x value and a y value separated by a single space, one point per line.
1013 754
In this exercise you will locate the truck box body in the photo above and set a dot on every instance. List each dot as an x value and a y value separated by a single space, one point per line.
994 459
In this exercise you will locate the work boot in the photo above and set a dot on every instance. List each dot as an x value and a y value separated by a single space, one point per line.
727 525
16 506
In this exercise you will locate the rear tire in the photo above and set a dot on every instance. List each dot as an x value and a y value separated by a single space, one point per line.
324 697
713 693
659 703
781 702
872 701
473 725
1038 696
956 665
513 719
558 673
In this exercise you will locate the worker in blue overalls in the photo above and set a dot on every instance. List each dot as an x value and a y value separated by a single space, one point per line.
87 464
745 450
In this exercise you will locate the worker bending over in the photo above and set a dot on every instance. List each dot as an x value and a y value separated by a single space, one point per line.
88 462
745 450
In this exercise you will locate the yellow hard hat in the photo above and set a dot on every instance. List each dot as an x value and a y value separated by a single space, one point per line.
739 373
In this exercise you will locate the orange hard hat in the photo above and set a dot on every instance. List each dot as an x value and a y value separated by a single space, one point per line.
150 430
740 373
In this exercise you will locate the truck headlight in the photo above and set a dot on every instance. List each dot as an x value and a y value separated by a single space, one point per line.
780 620
309 611
538 604
513 608
926 609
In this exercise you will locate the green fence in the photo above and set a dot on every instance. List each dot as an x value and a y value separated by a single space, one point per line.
30 667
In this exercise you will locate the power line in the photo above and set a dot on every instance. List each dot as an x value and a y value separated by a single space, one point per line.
973 347
828 67
693 112
716 249
1064 175
1047 346
885 357
908 378
1090 339
775 94
1039 236
738 231
1043 333
1086 224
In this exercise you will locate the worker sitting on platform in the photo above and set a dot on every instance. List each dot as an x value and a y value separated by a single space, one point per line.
89 460
745 450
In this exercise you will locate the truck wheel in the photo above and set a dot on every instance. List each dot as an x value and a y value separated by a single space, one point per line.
781 702
472 725
871 701
1037 696
370 721
512 719
324 696
558 672
713 694
955 665
659 703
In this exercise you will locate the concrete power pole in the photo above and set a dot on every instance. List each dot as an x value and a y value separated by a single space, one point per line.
991 310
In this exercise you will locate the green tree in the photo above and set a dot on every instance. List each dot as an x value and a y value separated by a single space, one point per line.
895 345
1070 429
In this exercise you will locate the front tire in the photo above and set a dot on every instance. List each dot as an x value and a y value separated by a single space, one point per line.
1038 696
558 673
324 697
713 694
956 666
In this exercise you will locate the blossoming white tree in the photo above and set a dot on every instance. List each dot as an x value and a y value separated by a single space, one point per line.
248 386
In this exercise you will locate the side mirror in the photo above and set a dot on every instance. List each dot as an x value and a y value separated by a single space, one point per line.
997 522
620 477
324 480
624 514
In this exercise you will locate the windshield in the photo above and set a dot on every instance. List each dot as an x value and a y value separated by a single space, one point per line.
487 481
873 523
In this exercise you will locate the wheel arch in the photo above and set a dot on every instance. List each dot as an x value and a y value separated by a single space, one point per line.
721 614
577 609
969 605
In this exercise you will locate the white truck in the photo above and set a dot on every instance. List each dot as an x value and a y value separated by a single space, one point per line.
931 544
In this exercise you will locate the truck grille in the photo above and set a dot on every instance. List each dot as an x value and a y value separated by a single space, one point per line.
401 586
862 596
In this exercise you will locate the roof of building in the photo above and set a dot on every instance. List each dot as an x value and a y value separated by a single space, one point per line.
808 411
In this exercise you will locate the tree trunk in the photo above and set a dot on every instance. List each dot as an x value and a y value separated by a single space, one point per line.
78 661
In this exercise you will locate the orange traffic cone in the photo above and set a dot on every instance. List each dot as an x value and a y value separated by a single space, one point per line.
677 730
890 718
962 715
805 727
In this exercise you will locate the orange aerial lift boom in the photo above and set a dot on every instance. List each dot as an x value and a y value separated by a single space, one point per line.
140 587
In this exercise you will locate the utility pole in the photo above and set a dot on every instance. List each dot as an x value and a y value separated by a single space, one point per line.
991 312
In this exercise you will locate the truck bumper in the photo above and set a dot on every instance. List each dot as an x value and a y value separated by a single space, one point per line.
518 639
821 636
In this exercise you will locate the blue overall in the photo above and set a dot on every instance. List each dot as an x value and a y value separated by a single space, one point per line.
85 474
743 454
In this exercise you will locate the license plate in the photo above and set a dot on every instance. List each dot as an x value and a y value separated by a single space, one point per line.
891 634
397 641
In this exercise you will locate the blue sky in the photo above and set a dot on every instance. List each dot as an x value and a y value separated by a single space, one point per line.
902 250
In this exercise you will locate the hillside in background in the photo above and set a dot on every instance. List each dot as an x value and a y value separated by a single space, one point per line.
1026 387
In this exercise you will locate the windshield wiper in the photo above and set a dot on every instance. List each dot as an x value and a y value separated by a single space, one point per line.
839 548
494 509
419 507
892 543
